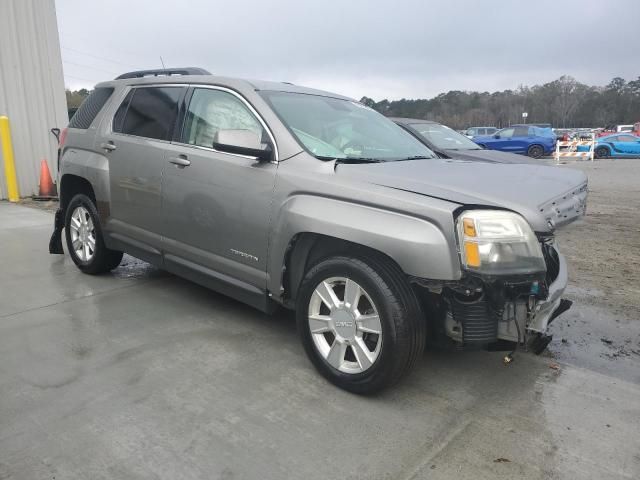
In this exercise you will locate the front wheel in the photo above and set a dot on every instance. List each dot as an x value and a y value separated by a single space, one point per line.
360 322
535 151
602 152
85 242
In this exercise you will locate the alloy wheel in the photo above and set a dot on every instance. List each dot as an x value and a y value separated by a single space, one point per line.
83 234
345 325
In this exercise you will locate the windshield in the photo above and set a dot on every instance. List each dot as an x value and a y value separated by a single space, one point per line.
342 129
444 138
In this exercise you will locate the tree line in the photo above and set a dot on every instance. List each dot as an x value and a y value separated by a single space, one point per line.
75 98
565 102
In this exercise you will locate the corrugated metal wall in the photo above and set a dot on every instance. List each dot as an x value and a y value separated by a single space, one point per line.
31 87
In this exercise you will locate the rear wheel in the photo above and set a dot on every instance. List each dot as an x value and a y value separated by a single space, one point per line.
85 242
360 322
535 151
602 152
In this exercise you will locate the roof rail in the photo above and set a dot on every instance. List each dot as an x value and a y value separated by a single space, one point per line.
164 72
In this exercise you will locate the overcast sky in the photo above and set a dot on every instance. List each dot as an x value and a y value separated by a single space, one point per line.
379 48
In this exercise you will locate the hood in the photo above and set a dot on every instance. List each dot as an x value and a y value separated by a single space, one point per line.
546 196
493 156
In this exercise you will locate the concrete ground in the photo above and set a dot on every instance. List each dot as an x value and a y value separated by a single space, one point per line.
141 375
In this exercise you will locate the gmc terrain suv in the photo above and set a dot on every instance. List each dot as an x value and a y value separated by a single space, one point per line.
276 194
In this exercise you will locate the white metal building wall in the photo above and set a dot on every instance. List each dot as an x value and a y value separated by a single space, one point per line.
31 87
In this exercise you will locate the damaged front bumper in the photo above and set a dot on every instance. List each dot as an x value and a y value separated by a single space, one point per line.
527 322
499 313
544 310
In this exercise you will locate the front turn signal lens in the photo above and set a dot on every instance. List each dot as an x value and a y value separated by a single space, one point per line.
472 254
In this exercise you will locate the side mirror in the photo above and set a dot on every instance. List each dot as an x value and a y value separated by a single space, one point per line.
497 135
56 133
242 142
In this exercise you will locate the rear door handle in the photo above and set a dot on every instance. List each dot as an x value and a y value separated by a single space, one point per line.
181 161
109 146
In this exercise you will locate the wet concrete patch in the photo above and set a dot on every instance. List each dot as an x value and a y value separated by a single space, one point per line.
594 337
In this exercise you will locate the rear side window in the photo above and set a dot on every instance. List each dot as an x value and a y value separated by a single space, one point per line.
521 132
90 108
149 112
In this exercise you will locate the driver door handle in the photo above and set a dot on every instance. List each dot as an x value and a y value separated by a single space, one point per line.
108 146
180 161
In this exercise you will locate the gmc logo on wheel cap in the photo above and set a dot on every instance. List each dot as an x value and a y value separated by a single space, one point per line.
344 324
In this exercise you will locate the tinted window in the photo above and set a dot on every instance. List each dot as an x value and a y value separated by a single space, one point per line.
506 133
212 110
152 112
118 119
521 132
90 108
627 138
542 132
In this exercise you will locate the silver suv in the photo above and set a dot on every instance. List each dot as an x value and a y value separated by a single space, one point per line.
280 195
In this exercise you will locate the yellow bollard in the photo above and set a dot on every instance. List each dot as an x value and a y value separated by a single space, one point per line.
9 165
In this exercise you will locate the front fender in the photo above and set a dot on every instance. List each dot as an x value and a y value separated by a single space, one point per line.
418 246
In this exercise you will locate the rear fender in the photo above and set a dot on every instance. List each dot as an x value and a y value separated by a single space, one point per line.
95 169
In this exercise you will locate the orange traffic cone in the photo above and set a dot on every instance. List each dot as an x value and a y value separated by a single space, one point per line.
47 188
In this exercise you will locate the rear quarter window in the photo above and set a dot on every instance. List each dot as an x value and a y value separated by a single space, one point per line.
90 108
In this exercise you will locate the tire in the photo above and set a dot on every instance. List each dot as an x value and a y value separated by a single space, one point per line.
88 233
385 291
602 152
535 151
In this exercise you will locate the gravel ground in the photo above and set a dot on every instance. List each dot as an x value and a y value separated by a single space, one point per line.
602 330
604 249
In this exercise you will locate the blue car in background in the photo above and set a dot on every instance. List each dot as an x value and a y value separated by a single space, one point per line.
526 139
616 145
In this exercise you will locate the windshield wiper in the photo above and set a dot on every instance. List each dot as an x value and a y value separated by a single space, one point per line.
358 160
415 157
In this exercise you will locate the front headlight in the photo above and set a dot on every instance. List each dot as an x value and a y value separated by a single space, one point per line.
496 242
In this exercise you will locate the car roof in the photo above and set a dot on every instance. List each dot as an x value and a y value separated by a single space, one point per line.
411 121
234 83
